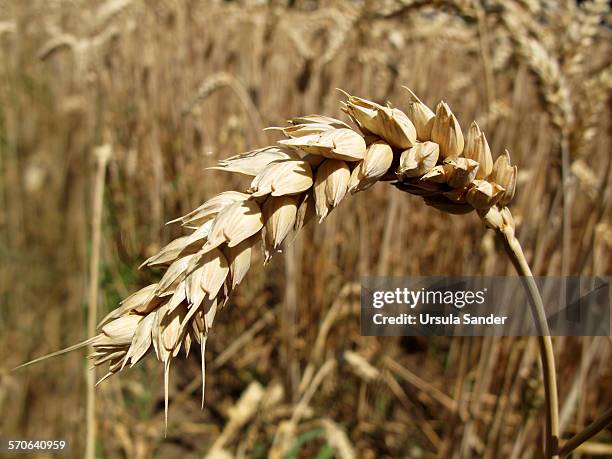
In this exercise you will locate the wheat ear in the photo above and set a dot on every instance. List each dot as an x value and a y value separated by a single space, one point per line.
321 161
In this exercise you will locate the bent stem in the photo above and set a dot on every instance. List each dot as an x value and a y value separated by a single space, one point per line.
589 432
515 252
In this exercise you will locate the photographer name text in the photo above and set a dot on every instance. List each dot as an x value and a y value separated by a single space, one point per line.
430 319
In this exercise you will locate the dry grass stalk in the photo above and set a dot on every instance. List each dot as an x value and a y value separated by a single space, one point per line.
590 431
338 439
102 155
361 367
239 414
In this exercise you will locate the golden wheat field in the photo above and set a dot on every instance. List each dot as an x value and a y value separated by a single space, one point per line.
112 114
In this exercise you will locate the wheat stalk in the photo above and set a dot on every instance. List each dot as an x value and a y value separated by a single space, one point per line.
320 162
590 431
103 154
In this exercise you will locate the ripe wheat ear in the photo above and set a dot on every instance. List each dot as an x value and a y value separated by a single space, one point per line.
320 162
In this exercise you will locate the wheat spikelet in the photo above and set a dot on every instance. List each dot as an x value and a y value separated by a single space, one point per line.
542 62
109 11
336 23
221 80
346 16
581 34
590 107
87 50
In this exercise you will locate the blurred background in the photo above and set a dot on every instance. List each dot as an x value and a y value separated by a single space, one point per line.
172 86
